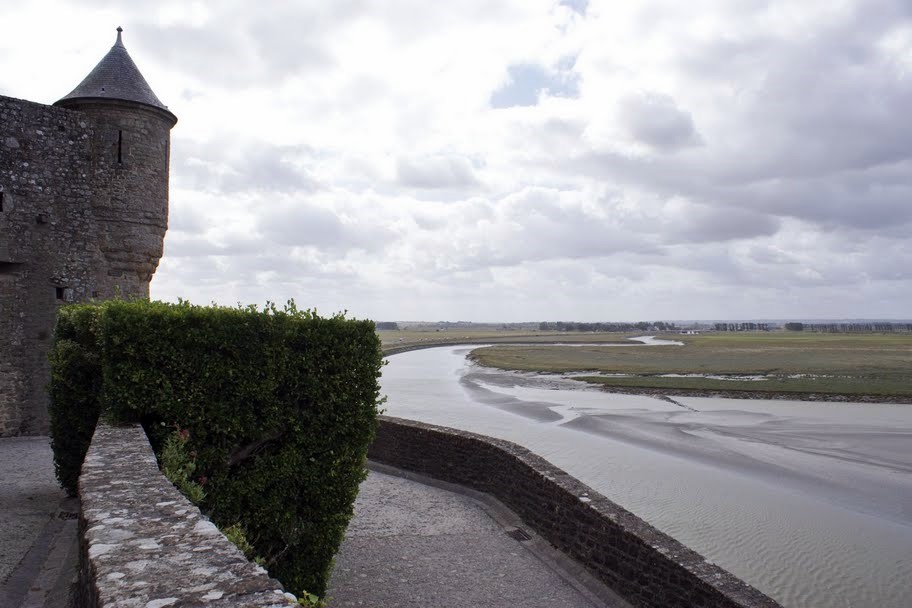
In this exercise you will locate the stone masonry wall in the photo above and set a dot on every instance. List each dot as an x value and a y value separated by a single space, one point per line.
130 200
144 544
645 566
47 246
83 214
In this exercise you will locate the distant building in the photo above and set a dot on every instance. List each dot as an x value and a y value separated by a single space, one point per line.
83 214
748 326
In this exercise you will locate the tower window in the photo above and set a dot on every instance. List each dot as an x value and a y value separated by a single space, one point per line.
59 292
1 200
120 146
9 267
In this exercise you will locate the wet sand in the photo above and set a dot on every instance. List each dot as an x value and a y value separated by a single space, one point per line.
740 394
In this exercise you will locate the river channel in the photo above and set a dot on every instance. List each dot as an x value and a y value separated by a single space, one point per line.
809 502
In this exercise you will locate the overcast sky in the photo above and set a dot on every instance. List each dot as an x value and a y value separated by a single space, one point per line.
517 160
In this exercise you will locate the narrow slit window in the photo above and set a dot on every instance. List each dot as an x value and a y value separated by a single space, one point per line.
59 292
1 200
120 146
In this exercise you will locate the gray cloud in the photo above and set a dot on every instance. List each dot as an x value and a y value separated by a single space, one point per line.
656 121
438 171
299 223
533 225
815 132
866 200
242 166
706 224
237 48
827 101
199 246
182 218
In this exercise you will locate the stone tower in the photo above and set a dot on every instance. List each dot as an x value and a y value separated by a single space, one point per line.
83 214
133 142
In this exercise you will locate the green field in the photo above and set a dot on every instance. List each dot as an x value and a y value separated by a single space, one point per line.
407 339
834 364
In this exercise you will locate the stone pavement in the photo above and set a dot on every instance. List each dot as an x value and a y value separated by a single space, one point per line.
416 542
38 547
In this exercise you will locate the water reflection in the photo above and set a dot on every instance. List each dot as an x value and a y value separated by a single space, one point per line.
809 502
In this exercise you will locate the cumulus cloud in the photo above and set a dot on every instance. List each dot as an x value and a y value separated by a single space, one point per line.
439 171
873 199
655 120
230 167
526 159
302 224
235 48
694 223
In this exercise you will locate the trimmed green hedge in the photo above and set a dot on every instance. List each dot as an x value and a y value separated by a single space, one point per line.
280 407
75 390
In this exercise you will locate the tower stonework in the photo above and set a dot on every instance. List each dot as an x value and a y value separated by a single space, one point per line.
83 215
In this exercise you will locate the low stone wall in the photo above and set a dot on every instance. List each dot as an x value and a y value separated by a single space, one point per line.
645 566
144 544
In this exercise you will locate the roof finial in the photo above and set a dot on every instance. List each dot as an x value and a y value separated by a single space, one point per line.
119 41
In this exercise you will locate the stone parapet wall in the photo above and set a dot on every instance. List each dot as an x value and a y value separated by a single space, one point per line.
144 544
642 564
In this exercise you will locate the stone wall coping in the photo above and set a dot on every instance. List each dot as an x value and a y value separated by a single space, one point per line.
42 107
644 565
145 545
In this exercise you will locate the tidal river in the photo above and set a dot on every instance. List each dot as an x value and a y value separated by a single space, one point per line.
809 502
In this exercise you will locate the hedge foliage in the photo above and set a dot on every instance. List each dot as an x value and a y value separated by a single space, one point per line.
278 406
75 390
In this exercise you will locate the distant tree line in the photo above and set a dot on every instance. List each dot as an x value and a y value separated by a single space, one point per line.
387 325
750 326
595 327
850 328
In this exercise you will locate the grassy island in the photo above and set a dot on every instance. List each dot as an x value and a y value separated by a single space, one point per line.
801 365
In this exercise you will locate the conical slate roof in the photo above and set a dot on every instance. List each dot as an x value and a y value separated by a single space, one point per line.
116 77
